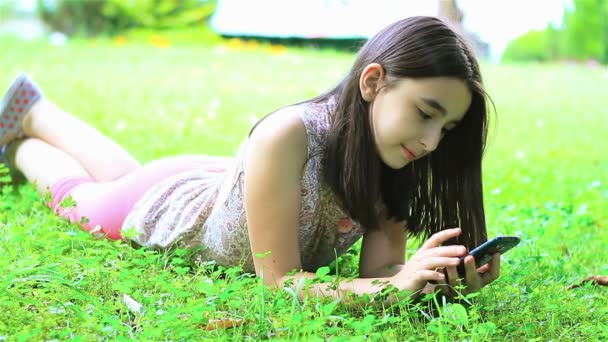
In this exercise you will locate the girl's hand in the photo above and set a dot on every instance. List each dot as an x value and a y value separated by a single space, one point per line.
427 263
475 278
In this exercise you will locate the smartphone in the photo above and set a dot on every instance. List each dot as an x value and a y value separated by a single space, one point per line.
483 253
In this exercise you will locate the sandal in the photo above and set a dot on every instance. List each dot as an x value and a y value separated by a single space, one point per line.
17 102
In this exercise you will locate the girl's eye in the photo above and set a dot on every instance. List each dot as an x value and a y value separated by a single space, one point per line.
424 115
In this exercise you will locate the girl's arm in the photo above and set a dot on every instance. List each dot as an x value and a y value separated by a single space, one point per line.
383 250
274 164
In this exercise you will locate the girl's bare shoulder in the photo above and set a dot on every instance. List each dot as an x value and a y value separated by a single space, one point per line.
282 132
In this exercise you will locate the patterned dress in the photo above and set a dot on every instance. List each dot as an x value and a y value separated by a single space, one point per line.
205 208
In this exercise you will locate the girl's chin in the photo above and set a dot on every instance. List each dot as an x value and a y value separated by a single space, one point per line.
395 161
396 164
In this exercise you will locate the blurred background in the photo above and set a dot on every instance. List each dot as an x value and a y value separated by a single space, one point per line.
516 30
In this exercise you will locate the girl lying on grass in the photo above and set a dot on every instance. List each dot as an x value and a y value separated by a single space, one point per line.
395 149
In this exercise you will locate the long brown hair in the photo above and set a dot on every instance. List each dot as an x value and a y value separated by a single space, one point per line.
441 190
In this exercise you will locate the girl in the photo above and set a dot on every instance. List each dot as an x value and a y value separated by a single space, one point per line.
393 150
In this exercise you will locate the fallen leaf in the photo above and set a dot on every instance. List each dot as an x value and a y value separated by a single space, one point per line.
132 304
226 323
595 280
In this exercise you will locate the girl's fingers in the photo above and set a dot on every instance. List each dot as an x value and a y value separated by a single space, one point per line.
495 265
438 262
453 277
431 276
494 270
483 269
473 279
443 251
440 237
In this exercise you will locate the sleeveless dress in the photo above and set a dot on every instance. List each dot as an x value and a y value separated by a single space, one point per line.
205 208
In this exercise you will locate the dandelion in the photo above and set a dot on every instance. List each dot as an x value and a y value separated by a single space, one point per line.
159 41
121 40
277 49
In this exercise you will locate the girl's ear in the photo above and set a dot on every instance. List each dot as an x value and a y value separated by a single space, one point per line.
371 80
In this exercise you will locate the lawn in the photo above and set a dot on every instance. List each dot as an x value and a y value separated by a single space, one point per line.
545 173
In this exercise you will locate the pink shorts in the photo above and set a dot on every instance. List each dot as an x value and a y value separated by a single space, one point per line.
101 208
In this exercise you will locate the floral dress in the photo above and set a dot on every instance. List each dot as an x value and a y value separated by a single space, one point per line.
205 208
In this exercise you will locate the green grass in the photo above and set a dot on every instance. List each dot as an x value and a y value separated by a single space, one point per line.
545 179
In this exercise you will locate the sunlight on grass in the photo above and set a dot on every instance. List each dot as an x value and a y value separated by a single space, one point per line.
545 179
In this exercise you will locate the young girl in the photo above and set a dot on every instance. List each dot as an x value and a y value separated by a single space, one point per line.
393 150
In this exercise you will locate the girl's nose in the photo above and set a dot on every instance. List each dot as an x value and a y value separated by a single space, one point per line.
431 140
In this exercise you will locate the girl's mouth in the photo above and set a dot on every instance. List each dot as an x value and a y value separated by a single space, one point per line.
409 154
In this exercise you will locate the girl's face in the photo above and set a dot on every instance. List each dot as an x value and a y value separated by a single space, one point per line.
409 118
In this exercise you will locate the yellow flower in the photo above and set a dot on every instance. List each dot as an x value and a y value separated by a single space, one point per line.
159 41
121 40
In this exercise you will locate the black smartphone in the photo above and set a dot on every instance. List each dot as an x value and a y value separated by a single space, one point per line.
483 253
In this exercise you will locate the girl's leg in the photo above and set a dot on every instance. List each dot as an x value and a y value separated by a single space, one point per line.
44 164
24 111
102 158
70 158
106 205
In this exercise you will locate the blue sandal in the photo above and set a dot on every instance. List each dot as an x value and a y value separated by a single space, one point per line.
15 104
